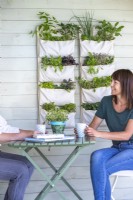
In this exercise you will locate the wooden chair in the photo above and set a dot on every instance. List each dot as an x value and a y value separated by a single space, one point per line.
116 175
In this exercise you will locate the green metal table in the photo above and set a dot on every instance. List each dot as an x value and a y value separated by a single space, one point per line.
77 143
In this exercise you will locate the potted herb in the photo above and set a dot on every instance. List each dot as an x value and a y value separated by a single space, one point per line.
57 118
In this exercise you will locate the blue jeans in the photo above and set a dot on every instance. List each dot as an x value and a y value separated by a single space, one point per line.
106 161
17 170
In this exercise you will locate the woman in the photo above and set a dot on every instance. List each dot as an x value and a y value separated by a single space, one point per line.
117 110
15 168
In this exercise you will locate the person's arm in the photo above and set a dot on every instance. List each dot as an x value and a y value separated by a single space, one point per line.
123 135
95 122
6 137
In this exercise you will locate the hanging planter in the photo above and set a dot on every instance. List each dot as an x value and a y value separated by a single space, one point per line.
58 76
56 48
102 70
92 96
103 47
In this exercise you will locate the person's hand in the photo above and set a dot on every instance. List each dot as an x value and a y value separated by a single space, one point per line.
91 132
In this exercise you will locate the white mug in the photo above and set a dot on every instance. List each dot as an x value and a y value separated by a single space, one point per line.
41 128
80 129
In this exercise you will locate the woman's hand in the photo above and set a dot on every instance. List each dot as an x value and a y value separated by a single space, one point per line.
91 132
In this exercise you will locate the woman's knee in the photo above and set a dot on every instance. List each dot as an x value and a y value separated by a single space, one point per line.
97 156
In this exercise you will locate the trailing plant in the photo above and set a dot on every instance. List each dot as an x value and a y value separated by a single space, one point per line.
86 25
51 29
94 59
48 106
56 63
70 107
95 83
57 115
65 84
107 31
90 106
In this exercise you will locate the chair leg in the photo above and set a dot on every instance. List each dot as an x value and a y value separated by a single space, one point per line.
113 186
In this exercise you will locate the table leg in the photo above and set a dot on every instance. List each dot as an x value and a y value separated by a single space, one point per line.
39 197
55 170
60 173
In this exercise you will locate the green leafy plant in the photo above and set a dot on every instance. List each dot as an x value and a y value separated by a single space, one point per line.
86 25
97 59
68 31
57 114
107 31
49 85
56 63
51 29
90 106
48 106
65 84
70 107
95 83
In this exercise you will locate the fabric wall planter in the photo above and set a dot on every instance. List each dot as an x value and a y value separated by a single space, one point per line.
87 116
103 70
56 48
103 47
58 76
59 96
69 123
92 96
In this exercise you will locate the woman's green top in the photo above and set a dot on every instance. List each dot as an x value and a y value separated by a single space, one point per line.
116 121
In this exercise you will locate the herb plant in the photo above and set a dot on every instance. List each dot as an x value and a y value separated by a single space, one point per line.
70 107
91 106
48 106
65 84
107 31
51 29
95 83
57 115
97 59
56 63
49 85
68 60
86 25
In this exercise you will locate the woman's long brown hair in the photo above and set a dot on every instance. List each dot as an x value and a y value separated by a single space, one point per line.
125 77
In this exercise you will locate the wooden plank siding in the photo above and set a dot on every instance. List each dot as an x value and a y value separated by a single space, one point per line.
18 81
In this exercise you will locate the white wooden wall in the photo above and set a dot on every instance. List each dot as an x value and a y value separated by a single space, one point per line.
18 82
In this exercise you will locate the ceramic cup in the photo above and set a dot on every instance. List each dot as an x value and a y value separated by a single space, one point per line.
80 129
41 128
